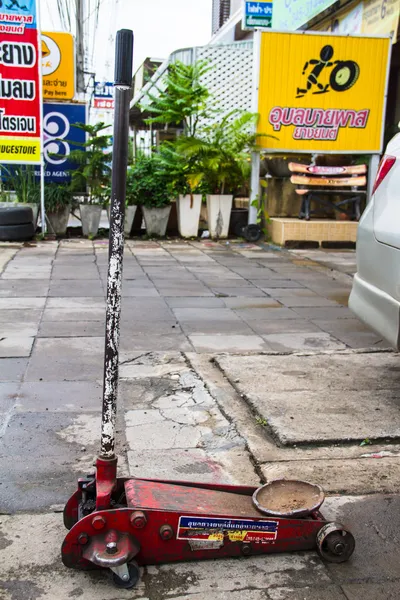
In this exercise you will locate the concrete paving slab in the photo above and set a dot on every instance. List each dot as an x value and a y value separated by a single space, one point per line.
51 329
226 291
25 303
17 329
130 328
137 292
74 314
266 326
195 302
375 523
151 343
74 272
44 465
12 369
338 476
76 287
227 343
193 464
80 302
282 283
205 314
72 359
17 288
256 314
283 342
321 398
60 396
362 339
328 313
308 301
372 591
243 302
16 347
218 327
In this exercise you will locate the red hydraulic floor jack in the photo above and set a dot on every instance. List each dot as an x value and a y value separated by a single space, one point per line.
121 523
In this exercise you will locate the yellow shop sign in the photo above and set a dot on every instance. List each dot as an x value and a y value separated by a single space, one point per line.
322 93
58 66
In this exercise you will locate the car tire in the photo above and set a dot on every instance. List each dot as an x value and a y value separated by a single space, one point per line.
16 215
17 233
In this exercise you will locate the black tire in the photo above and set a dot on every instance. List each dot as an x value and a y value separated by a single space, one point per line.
344 75
16 215
17 233
252 233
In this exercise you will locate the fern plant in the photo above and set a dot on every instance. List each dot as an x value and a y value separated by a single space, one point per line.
182 99
93 162
219 157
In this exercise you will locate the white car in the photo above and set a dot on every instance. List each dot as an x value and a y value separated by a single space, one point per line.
375 297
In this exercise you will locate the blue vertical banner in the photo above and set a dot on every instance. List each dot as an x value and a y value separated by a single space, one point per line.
58 134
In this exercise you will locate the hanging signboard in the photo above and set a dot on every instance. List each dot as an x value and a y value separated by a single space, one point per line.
58 66
322 93
256 15
20 102
103 95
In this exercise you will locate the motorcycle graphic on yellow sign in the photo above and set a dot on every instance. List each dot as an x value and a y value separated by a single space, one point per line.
342 77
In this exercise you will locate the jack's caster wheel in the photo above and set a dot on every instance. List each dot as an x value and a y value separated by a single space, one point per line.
134 576
334 543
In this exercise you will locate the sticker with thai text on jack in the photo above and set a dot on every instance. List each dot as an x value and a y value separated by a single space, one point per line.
219 530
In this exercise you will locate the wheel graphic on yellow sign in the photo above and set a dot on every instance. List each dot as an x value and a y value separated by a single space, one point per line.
51 55
344 75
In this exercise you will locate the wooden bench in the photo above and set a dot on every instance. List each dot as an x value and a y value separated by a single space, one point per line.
313 183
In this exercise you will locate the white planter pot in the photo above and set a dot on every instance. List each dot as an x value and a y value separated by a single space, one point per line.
130 212
58 221
90 215
219 214
189 215
156 220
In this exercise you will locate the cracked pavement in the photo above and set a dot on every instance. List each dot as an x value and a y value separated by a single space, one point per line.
239 363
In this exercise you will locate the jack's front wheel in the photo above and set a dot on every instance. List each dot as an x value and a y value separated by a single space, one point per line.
127 582
334 543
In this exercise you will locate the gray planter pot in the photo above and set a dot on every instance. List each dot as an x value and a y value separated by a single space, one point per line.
156 220
59 221
130 212
90 215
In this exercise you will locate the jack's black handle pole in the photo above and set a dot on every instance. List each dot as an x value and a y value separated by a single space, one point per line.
122 86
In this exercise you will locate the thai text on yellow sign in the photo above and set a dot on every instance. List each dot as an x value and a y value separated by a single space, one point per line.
322 93
58 66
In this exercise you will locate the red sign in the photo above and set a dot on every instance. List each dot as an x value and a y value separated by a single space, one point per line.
103 103
20 102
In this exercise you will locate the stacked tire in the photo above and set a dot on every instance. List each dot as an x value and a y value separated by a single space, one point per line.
16 224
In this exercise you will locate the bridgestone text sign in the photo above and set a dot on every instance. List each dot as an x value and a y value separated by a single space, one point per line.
19 83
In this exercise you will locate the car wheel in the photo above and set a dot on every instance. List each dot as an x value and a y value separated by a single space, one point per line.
16 215
17 233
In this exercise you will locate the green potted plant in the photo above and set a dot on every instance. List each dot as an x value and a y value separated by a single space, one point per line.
150 186
92 174
180 105
57 202
184 188
220 157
